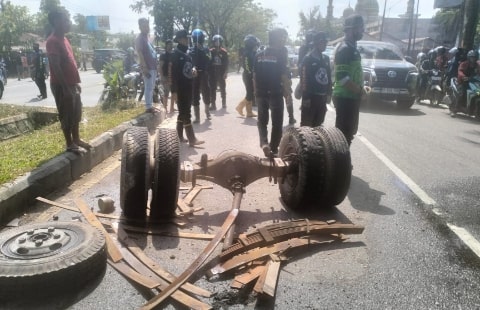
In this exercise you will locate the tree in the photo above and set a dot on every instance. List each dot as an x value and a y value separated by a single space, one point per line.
312 21
14 21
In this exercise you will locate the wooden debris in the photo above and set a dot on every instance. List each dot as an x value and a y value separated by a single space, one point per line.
128 272
250 275
195 265
112 249
162 232
193 193
153 266
271 277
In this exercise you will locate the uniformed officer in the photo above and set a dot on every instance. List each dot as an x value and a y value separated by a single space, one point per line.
201 60
218 71
272 84
182 73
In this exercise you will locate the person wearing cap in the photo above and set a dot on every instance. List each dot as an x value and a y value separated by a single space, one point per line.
348 87
272 84
147 58
316 83
165 60
218 72
181 73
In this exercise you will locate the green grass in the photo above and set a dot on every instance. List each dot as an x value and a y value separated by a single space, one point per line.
22 154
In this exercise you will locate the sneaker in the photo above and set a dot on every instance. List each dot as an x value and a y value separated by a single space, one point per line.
266 150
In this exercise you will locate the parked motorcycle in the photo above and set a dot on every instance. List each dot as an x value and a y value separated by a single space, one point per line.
3 77
433 91
471 102
134 81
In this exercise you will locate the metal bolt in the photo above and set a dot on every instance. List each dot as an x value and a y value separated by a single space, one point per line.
38 243
56 236
51 229
22 240
30 232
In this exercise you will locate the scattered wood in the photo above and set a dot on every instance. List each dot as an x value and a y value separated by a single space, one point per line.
195 265
250 275
271 277
163 232
131 274
112 249
193 193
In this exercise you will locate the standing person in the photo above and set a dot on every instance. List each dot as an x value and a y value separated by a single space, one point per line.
466 70
272 84
201 60
147 57
348 88
182 73
65 81
218 72
251 44
39 66
18 65
165 61
316 83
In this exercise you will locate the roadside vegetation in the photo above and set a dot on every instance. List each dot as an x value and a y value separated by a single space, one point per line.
23 154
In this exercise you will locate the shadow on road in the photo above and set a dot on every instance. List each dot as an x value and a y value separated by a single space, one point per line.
364 198
389 108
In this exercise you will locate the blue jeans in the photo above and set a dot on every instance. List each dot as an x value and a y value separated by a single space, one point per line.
149 84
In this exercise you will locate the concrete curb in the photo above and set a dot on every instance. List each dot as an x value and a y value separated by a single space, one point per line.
17 197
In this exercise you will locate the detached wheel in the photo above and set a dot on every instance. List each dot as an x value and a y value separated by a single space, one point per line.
167 174
134 173
301 186
338 165
48 258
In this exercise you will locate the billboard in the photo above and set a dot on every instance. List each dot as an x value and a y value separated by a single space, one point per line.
439 4
95 23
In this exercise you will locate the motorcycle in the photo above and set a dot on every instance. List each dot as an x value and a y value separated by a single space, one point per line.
471 102
134 81
3 77
433 91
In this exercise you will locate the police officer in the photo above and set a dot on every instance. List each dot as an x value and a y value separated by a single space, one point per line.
272 84
165 60
201 60
218 71
181 74
39 66
316 83
251 44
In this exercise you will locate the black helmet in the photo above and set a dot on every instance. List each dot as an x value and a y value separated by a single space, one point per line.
441 50
277 35
217 38
198 36
250 41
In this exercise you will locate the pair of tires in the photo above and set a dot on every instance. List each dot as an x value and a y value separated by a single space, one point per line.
320 169
149 163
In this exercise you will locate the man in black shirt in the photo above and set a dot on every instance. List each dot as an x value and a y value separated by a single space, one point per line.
218 71
181 73
201 60
165 60
272 84
39 66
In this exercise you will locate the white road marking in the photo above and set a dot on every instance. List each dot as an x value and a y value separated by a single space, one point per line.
462 233
398 172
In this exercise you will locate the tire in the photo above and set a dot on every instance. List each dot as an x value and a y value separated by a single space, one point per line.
167 174
71 255
133 174
305 178
339 165
405 104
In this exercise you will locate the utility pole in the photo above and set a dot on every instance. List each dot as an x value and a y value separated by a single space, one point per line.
383 20
415 28
410 17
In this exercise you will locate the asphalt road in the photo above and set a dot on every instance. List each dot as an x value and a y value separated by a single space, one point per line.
25 91
414 188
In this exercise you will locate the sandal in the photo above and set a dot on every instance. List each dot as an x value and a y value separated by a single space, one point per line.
75 150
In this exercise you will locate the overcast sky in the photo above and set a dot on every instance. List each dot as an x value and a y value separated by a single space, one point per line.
122 19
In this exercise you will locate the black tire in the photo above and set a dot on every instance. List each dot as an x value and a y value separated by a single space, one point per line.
70 255
133 174
338 168
405 104
167 174
301 147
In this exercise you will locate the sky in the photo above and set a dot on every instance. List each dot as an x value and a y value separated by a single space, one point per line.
122 19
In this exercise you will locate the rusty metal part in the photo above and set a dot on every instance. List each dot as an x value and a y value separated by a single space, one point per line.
282 231
195 265
237 199
112 249
232 167
242 259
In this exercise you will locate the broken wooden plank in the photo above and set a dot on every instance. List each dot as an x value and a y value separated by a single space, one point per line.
156 231
64 206
196 264
261 279
112 249
131 274
270 283
250 275
153 266
184 208
190 196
